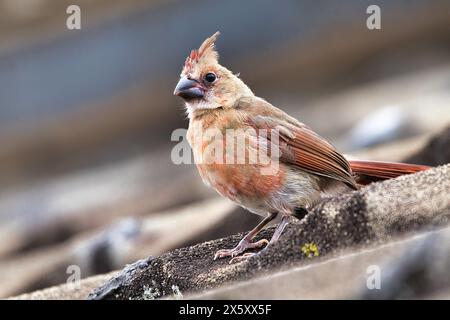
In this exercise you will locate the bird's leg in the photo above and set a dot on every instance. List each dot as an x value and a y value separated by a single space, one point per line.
276 235
246 243
279 229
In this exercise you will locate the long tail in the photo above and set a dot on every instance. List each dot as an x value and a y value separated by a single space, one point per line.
369 171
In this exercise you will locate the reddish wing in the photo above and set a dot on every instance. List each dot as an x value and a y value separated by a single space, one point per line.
303 148
316 155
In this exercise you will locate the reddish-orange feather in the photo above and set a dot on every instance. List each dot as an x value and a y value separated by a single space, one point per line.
310 152
384 170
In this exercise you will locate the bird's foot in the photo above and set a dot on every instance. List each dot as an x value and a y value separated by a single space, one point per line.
241 247
243 257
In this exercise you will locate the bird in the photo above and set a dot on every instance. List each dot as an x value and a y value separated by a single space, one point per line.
300 168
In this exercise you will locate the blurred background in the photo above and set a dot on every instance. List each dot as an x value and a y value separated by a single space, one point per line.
86 115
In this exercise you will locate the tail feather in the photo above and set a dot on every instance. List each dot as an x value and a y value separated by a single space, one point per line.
369 171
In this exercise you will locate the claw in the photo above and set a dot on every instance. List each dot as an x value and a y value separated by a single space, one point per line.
241 247
244 257
222 253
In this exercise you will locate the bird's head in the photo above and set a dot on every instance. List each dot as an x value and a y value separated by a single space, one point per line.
205 84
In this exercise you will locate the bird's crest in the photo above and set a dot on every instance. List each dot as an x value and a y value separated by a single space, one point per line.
206 52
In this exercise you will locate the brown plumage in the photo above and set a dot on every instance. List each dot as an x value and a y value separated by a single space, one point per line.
303 167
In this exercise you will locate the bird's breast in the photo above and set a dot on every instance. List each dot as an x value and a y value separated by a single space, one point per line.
236 172
240 181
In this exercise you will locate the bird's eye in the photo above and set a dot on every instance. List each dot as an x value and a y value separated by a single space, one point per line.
210 77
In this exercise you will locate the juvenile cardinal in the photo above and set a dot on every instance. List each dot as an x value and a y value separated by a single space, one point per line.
304 167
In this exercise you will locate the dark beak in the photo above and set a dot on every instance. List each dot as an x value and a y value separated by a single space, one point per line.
189 89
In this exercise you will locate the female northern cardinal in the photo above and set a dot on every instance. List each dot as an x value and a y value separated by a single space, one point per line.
308 168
